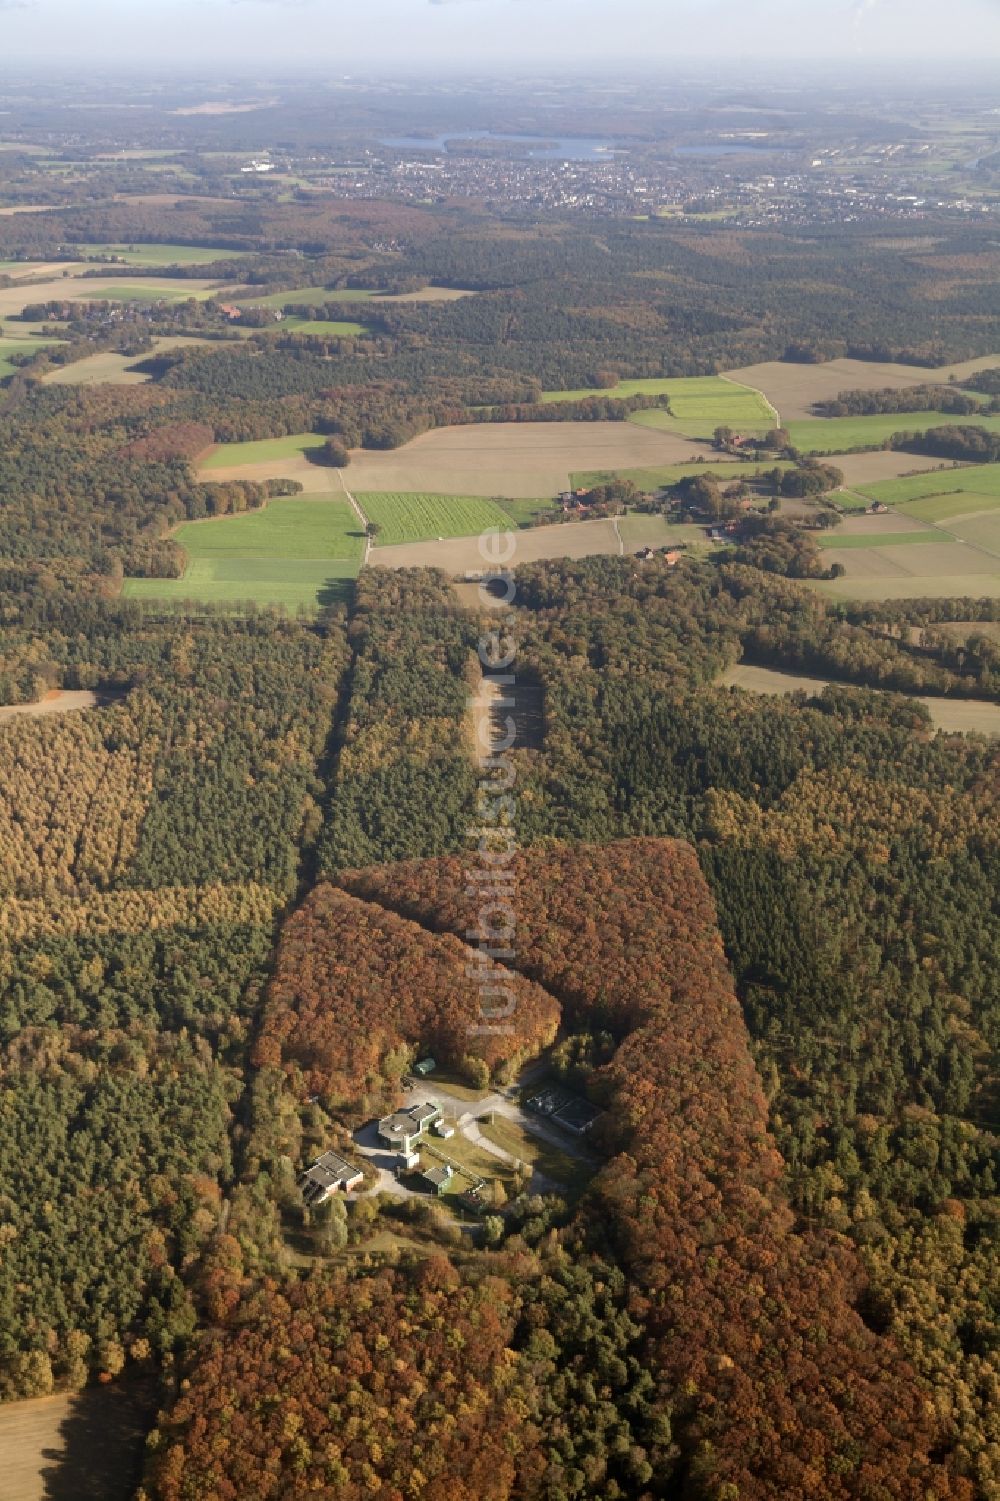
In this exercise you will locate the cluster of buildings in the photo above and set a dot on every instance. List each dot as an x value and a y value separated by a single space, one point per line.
824 188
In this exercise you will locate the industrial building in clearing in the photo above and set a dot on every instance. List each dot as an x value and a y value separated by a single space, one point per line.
328 1175
403 1129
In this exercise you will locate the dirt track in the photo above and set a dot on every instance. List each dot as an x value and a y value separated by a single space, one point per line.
59 701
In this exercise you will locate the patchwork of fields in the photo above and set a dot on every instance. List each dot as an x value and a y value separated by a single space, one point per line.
291 552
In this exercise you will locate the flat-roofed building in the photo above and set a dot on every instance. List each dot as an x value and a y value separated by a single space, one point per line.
328 1175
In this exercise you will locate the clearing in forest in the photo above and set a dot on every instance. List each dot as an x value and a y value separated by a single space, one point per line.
290 552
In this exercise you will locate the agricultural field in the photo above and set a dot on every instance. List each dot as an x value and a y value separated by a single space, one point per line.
794 389
880 539
85 1445
943 508
159 290
960 716
862 469
567 539
317 296
698 404
521 460
837 434
296 553
331 328
403 517
81 289
233 456
165 255
108 368
947 568
981 531
971 479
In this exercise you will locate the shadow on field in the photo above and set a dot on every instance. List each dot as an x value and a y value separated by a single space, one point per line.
335 592
102 1442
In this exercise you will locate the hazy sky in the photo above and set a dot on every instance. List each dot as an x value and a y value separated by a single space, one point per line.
339 33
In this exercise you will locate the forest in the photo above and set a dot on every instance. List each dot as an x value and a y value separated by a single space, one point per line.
759 935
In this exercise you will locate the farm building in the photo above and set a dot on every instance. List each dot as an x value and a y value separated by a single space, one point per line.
402 1130
328 1175
442 1128
439 1178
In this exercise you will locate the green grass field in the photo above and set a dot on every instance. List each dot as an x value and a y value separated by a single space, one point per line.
525 512
422 518
699 404
308 297
158 291
941 508
292 552
879 539
19 346
165 255
839 434
262 451
974 479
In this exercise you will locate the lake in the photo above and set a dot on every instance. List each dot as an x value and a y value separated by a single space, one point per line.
538 148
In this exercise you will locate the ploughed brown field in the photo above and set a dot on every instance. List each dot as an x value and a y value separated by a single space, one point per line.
516 459
867 468
78 1446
